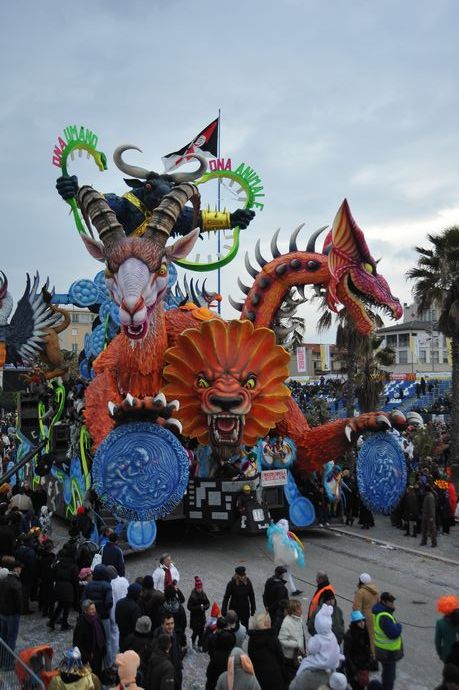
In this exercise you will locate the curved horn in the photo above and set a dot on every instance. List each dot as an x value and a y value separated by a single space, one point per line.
194 295
236 305
94 206
191 176
131 170
312 240
258 255
274 248
207 296
292 244
166 213
3 285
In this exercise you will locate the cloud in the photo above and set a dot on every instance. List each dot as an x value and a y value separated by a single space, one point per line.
325 101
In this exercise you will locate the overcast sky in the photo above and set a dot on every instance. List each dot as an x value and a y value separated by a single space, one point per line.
331 99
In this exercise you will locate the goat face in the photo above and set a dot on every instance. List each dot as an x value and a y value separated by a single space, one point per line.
137 275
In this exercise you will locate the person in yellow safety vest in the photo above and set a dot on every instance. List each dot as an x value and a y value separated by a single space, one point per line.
323 584
388 638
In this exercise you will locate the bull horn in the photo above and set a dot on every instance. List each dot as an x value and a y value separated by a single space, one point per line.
191 176
95 208
3 285
131 170
166 213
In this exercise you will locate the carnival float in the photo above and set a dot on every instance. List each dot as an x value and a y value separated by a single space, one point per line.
178 413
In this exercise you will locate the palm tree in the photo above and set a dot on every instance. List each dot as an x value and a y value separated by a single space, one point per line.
362 359
437 283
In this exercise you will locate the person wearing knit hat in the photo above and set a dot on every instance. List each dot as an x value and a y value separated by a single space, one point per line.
197 605
141 641
365 597
239 674
357 651
446 627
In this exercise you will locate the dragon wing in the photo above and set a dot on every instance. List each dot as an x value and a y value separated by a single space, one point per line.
28 326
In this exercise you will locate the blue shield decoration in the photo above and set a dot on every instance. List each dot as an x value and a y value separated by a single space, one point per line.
381 472
140 471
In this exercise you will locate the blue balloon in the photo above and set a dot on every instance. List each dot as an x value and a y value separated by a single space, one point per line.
141 535
140 471
84 293
381 472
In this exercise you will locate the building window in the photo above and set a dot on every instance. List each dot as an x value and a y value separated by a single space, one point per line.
391 340
85 318
423 356
74 317
436 357
404 340
445 356
403 356
74 348
74 331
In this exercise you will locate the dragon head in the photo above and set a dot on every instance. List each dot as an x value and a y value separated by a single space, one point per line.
229 379
137 267
355 281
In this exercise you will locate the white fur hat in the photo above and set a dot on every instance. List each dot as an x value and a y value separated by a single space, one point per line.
365 579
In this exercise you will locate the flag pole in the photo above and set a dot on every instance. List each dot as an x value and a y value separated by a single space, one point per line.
219 307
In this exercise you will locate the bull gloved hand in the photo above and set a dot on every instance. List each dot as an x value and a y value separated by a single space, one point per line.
67 186
242 217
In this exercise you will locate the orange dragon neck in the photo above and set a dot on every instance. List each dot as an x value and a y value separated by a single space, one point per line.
141 362
276 278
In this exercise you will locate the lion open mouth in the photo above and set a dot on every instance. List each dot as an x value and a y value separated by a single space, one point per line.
226 429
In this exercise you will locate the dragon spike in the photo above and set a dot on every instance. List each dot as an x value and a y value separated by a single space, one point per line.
377 261
312 240
207 295
194 296
292 244
234 304
258 255
274 248
187 288
253 272
243 287
3 285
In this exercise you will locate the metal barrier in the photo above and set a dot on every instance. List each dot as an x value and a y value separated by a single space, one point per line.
14 673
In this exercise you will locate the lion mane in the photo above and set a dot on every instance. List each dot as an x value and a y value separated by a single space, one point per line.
235 349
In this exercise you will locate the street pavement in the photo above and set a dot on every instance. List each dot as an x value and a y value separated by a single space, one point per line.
416 580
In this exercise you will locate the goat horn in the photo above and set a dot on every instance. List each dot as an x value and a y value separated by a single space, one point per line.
94 206
3 285
191 176
292 244
131 170
166 213
312 240
274 248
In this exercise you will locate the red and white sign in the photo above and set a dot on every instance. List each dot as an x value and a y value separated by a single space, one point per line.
274 478
300 359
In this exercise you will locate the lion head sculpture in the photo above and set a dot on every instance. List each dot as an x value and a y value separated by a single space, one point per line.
229 379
